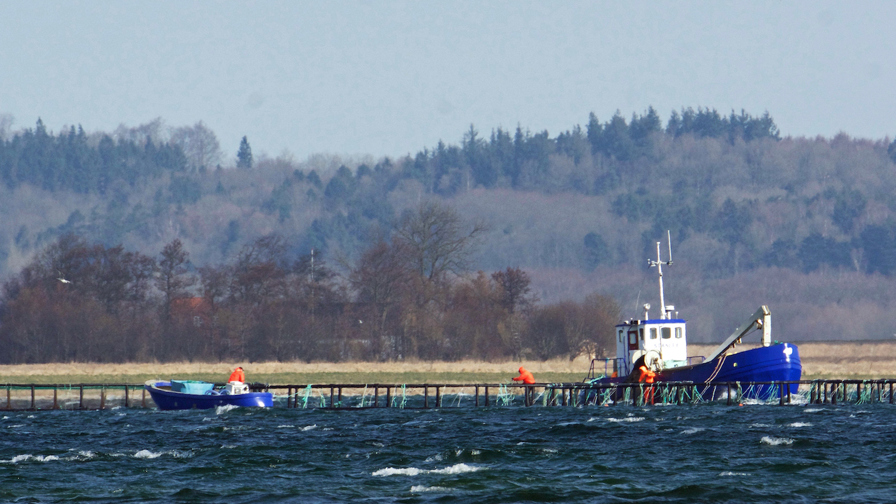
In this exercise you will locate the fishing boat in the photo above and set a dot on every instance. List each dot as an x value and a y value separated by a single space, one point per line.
193 394
660 344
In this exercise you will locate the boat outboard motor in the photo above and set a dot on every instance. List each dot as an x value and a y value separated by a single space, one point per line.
235 388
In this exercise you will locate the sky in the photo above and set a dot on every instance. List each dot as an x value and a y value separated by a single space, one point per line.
391 78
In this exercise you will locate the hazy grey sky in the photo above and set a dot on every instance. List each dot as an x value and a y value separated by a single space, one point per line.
390 78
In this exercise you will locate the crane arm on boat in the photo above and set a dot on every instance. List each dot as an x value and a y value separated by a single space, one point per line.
761 319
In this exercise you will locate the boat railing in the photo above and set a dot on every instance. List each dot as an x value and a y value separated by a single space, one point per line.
608 369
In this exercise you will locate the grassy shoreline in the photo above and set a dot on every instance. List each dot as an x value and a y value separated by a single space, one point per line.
855 360
295 373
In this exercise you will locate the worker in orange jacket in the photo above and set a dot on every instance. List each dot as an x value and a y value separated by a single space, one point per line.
237 375
525 376
647 376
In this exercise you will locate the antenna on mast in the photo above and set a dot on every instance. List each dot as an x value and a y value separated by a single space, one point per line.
669 240
664 310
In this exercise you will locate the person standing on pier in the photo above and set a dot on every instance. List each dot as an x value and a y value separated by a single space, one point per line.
237 375
647 376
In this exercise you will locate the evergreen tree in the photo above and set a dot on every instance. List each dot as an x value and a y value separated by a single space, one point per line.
244 155
616 139
595 131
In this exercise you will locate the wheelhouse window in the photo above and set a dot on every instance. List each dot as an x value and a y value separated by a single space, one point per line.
667 333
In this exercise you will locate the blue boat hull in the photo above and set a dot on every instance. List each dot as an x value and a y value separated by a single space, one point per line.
762 366
759 372
169 400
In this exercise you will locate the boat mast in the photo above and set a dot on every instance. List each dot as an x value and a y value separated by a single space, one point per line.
659 266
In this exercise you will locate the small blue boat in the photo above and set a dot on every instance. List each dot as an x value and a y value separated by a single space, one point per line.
660 344
192 394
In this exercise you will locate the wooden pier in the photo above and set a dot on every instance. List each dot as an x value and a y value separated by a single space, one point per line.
347 396
82 396
426 396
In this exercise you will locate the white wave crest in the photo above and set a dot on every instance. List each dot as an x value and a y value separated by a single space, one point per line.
773 441
800 424
146 454
693 430
730 473
220 410
29 457
423 489
626 419
309 427
392 471
413 471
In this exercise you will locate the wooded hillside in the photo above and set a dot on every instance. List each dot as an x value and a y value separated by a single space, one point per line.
804 225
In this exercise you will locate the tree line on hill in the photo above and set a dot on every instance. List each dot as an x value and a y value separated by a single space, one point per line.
410 295
636 165
523 160
69 161
736 194
74 161
729 179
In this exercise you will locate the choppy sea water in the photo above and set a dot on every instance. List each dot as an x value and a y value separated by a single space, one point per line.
699 453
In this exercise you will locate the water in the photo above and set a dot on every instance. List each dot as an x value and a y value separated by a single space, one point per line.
700 453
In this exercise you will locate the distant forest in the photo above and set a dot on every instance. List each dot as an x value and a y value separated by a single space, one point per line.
404 298
579 212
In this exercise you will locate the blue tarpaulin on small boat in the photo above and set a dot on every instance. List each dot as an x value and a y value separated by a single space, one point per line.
191 386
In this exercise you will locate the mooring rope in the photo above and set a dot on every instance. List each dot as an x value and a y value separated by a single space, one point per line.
307 396
608 396
718 368
363 396
505 397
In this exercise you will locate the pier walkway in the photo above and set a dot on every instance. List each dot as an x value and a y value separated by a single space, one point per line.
87 396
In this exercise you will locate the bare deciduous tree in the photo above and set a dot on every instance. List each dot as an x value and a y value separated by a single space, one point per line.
6 122
199 144
173 279
437 239
514 289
